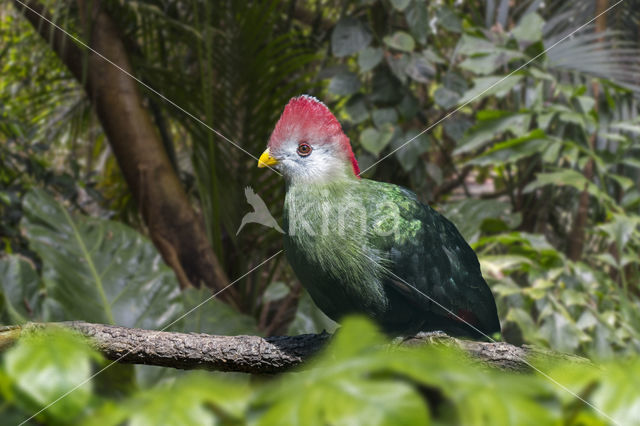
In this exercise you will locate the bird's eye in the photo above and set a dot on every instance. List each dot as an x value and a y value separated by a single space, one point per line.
304 149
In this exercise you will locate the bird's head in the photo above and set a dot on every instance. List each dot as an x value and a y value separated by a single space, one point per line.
308 144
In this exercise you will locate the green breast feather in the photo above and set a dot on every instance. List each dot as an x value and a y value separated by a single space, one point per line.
360 246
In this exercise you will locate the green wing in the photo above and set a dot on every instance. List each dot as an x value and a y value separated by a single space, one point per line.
430 263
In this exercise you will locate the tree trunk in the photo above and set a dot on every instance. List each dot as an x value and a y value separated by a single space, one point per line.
174 226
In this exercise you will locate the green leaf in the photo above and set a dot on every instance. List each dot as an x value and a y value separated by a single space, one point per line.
192 399
456 127
399 65
455 81
487 130
45 366
341 389
374 140
489 86
529 29
561 332
417 17
309 318
524 321
410 152
586 103
468 215
571 178
576 118
384 115
349 36
369 58
385 402
446 98
433 57
345 83
400 4
420 69
275 291
448 20
488 63
408 106
357 109
469 45
400 40
338 399
621 228
212 316
629 127
625 183
616 393
385 87
476 395
99 270
512 150
21 289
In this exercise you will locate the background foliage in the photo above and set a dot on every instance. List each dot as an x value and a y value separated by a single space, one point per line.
536 162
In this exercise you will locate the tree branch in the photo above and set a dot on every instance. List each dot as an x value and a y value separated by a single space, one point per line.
257 355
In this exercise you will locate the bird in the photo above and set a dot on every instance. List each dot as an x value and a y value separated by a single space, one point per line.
360 246
260 213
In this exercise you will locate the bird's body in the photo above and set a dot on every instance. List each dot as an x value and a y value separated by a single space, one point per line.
367 247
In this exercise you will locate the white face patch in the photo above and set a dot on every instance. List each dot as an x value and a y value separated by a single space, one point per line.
324 163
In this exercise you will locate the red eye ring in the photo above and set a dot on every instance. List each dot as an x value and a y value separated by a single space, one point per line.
304 149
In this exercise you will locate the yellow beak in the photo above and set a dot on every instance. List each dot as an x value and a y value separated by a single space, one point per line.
266 160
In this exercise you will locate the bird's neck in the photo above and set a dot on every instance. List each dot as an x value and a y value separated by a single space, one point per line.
321 174
324 185
317 206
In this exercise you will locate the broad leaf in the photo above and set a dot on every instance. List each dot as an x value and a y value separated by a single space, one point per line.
349 36
469 215
400 4
338 390
99 270
310 319
410 152
369 58
345 83
400 40
357 109
490 128
420 68
448 20
488 63
374 140
384 115
418 20
529 29
446 98
513 150
209 315
21 289
487 86
47 365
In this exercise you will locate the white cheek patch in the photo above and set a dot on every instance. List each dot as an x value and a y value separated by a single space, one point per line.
320 165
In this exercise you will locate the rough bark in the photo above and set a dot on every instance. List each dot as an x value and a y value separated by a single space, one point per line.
257 355
174 226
